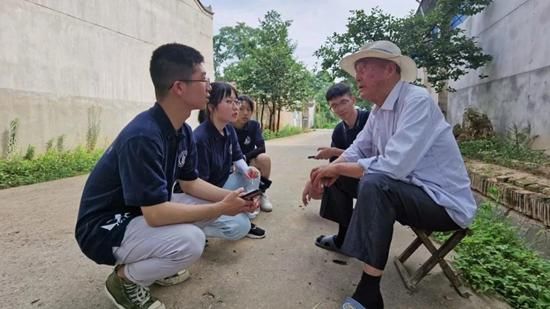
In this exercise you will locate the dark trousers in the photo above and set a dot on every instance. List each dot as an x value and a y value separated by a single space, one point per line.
337 200
381 201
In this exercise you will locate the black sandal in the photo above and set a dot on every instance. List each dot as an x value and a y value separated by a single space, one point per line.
327 243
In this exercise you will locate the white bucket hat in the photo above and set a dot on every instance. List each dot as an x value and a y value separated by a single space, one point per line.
381 50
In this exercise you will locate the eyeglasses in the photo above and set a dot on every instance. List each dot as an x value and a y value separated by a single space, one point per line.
337 105
236 102
206 80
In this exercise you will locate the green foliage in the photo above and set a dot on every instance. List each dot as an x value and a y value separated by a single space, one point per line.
49 145
29 154
286 131
261 62
520 137
94 114
503 152
495 260
324 118
232 44
49 166
446 53
59 144
322 121
12 138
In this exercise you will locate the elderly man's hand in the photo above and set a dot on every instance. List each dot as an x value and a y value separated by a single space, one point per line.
323 176
310 193
325 153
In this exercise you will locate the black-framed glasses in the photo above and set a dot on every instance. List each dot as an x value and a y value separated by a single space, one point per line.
237 102
337 105
206 80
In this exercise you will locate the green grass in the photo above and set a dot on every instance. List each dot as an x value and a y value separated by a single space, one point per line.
502 152
286 131
55 164
496 260
51 165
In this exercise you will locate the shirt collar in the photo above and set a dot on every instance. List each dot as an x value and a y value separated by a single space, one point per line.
160 117
389 103
213 131
356 124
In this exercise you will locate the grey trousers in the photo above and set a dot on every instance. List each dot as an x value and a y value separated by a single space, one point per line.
225 227
152 253
381 201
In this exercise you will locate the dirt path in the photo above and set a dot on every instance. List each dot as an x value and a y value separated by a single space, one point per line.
42 267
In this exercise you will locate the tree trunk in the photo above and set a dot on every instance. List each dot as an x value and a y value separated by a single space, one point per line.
272 116
279 119
262 114
270 120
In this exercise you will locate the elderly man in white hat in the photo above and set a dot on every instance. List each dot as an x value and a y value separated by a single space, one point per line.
407 161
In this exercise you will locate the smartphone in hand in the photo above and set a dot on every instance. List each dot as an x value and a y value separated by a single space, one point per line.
251 194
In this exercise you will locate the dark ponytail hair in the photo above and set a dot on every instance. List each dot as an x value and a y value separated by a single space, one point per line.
220 90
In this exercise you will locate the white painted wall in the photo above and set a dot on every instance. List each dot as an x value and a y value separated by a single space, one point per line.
516 34
59 58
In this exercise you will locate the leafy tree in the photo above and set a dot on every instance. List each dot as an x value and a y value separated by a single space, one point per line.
261 62
445 52
233 44
324 118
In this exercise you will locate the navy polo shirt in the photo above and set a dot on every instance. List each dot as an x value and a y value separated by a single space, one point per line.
251 139
343 136
137 170
216 152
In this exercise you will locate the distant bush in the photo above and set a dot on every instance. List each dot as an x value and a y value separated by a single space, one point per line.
286 131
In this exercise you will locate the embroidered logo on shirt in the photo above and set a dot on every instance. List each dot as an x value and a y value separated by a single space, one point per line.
247 140
116 221
181 158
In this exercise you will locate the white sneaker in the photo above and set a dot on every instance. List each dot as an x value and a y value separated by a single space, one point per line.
254 214
265 204
178 278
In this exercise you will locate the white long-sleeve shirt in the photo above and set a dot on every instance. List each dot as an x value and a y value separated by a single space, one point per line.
408 139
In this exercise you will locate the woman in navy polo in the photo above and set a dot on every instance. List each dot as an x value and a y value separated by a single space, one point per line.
220 160
251 140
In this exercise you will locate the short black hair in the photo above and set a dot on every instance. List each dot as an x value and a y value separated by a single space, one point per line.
171 62
338 90
220 90
247 99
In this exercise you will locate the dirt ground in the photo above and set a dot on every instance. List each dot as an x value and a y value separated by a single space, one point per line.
42 267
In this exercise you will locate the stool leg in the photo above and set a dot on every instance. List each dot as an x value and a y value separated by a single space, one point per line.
438 256
399 260
410 249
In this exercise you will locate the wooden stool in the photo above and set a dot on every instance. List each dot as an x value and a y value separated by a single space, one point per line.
438 256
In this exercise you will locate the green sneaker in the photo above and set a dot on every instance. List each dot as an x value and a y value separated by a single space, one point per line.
128 295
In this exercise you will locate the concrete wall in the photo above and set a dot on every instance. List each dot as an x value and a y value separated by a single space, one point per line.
288 118
64 61
517 91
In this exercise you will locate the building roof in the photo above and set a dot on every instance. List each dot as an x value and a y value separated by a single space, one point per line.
206 9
